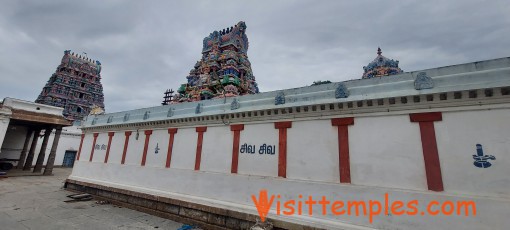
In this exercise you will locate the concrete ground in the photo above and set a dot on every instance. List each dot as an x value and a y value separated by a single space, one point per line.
37 202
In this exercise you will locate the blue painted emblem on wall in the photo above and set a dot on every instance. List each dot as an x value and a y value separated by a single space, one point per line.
481 159
156 150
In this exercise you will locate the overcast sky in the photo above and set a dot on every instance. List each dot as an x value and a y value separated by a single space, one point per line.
146 47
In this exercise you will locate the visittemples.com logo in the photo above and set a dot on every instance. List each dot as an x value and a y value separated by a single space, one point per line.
369 208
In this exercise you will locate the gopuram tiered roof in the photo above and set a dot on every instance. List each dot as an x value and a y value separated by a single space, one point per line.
381 66
223 71
75 86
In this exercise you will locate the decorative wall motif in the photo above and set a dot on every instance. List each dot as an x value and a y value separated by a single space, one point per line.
280 98
341 91
126 117
235 104
223 71
146 115
423 81
198 109
170 112
75 86
481 160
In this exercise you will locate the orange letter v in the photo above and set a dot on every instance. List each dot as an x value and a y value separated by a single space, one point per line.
262 205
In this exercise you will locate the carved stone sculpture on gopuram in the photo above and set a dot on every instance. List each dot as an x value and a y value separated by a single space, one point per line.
75 86
223 71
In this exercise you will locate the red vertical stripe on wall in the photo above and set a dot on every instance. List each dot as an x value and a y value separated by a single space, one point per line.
235 147
81 145
429 146
110 136
200 131
172 132
126 142
282 146
93 146
343 147
146 146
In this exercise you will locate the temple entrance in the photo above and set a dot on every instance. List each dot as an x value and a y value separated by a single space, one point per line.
69 158
22 125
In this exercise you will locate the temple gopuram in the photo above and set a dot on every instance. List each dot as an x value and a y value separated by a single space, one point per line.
223 71
75 86
381 66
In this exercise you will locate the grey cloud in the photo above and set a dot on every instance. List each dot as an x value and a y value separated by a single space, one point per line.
149 46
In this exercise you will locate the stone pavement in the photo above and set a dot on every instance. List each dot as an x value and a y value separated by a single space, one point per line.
37 202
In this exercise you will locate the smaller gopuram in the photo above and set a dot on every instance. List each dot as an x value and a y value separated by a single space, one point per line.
75 86
381 66
223 71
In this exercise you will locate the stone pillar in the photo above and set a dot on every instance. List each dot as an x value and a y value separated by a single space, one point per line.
23 155
51 158
5 115
30 157
42 152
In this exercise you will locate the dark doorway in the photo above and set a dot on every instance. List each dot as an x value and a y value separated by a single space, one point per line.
69 158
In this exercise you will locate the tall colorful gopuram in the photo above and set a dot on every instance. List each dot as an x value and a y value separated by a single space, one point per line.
381 66
75 86
223 71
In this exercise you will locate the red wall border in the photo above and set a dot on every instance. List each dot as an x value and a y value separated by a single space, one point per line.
148 134
419 117
93 145
282 127
110 136
81 145
235 147
429 146
200 131
343 147
126 142
172 132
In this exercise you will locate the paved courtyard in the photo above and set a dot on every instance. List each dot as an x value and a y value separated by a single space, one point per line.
37 202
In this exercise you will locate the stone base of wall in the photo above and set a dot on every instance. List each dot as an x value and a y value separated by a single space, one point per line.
203 216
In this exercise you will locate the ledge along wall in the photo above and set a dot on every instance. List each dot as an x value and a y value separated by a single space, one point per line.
355 140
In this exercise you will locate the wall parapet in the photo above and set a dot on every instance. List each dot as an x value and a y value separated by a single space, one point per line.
465 81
